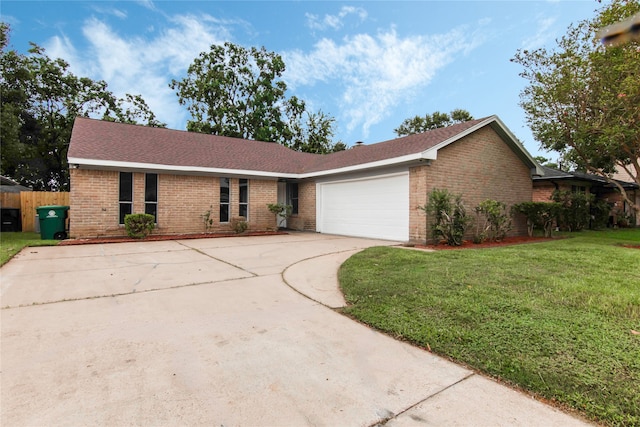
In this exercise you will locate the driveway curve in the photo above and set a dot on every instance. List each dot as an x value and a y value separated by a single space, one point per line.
207 332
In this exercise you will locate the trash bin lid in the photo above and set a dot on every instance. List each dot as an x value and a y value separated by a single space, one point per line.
53 207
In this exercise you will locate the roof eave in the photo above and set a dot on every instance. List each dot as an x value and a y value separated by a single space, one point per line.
75 163
396 161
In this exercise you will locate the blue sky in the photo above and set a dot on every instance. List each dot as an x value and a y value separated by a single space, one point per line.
369 64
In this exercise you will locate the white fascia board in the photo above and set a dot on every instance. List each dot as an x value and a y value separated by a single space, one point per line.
109 164
536 170
364 166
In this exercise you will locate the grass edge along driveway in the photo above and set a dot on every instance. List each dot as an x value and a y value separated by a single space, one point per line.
558 318
13 242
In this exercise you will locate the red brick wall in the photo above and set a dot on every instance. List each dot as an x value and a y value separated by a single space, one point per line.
542 191
182 200
480 166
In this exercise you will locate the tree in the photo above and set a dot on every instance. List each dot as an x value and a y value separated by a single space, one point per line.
419 124
237 92
547 162
40 100
583 100
316 135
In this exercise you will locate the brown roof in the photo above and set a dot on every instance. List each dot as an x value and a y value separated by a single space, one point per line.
390 149
117 142
104 142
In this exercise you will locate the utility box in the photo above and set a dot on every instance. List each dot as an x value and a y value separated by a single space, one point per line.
11 219
53 222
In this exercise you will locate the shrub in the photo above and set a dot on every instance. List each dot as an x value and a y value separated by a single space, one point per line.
539 215
280 210
207 218
624 219
497 221
139 226
448 216
600 212
574 212
238 224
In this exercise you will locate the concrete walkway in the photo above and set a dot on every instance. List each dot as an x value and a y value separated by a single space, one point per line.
207 332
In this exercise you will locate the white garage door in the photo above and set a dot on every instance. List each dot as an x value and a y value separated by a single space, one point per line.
370 207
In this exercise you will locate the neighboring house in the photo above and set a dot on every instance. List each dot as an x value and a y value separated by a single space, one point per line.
553 179
367 191
622 175
8 185
10 218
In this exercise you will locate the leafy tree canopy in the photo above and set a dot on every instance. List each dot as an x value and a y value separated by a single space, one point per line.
315 135
40 100
583 99
420 124
546 162
238 92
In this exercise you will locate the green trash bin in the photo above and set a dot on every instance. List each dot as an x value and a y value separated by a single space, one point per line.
53 222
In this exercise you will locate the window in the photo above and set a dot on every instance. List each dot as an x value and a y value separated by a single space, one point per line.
224 199
243 209
578 189
292 196
125 195
151 195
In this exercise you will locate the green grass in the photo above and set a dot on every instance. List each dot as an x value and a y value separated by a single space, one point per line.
555 318
12 243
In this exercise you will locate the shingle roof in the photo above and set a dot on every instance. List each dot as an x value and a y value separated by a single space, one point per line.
551 174
117 142
105 143
390 149
8 185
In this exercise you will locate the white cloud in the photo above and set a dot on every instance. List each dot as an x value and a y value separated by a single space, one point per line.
375 74
542 36
334 21
118 13
147 4
138 65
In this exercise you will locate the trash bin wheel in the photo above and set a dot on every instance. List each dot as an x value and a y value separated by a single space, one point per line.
60 235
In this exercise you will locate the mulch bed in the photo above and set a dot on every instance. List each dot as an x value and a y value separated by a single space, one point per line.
468 244
162 237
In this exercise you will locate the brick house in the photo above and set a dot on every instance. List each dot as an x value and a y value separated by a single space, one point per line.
553 179
367 191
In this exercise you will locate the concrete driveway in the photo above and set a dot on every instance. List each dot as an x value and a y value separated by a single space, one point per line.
226 332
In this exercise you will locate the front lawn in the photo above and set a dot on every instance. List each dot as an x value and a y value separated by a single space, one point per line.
12 243
560 318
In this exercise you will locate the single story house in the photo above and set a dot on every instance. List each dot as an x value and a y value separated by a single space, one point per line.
8 185
10 216
371 190
554 179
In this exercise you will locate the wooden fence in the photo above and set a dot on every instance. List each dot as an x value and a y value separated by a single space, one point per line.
10 200
28 201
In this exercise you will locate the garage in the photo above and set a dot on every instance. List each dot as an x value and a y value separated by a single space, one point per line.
375 207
